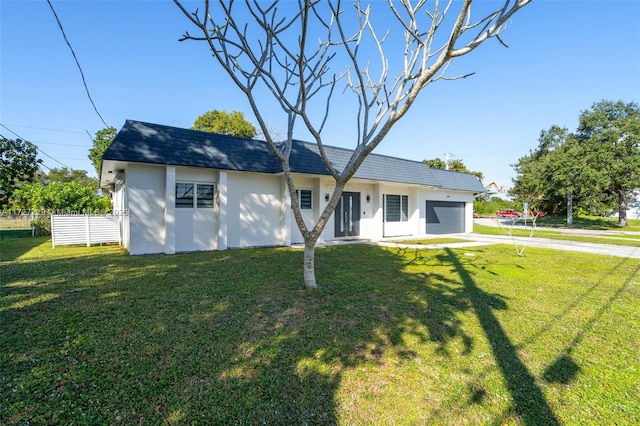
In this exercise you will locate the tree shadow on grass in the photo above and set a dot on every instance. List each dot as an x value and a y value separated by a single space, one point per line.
528 399
203 337
564 369
224 337
231 337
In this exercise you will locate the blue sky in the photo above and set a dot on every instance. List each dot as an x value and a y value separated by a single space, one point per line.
562 57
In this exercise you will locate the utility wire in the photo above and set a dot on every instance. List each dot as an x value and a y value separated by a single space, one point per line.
45 128
75 158
37 147
84 81
40 163
59 143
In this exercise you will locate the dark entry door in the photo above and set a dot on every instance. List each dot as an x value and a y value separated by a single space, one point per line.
445 217
347 215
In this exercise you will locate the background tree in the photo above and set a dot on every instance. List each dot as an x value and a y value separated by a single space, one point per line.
59 196
19 164
41 177
290 50
233 124
435 163
65 175
454 165
540 180
101 142
595 169
609 135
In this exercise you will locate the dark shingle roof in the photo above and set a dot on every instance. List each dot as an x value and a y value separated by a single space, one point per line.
157 144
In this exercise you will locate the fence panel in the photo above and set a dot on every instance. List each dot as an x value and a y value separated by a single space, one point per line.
68 230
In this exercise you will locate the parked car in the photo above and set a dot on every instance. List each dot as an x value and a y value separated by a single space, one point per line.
508 213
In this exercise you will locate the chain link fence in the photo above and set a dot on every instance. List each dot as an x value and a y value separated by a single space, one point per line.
22 224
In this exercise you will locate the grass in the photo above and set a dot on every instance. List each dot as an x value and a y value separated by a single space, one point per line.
393 336
590 222
613 239
14 233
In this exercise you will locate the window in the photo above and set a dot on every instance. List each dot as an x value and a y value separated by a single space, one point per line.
304 197
184 195
189 195
396 208
205 196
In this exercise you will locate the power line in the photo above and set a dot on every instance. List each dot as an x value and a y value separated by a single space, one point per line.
489 154
77 62
44 128
59 143
59 162
37 147
39 164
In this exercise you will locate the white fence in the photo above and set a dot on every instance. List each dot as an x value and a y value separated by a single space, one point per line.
86 229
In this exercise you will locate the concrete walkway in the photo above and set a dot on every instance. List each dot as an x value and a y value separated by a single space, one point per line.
584 247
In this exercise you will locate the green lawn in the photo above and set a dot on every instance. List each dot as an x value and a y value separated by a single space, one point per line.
393 336
617 239
590 222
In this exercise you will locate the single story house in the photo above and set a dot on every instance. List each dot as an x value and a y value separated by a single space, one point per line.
185 190
633 206
633 212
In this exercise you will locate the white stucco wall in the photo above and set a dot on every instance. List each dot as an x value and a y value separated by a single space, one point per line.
221 207
146 186
121 208
409 227
372 223
196 228
253 210
369 227
369 218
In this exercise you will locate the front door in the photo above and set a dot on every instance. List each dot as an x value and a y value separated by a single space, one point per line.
347 215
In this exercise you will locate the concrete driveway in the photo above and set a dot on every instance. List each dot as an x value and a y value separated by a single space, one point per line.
604 249
474 240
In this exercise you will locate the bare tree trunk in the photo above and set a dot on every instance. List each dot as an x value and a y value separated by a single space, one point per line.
570 208
622 209
311 237
309 265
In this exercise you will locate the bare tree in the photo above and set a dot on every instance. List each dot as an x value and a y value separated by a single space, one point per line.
301 54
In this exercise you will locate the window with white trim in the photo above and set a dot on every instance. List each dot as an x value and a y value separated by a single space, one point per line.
396 208
304 199
194 195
